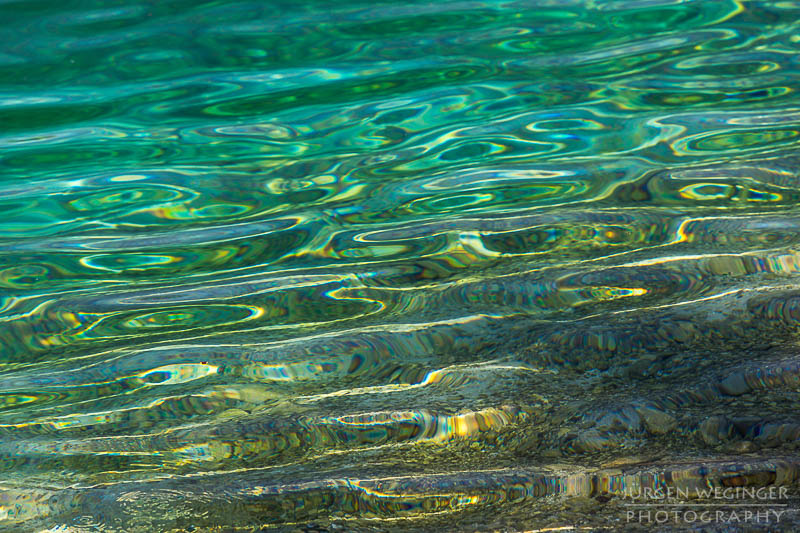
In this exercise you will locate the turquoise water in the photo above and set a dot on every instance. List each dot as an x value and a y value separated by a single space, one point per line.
408 266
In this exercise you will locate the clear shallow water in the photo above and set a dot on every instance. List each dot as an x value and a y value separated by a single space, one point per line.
408 266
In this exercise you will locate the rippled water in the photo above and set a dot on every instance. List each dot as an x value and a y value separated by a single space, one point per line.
445 266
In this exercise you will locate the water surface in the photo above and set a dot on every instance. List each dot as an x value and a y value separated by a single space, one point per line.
460 265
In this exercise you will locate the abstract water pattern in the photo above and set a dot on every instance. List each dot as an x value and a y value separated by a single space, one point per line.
398 266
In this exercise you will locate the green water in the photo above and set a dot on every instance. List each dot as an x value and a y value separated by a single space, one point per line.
407 266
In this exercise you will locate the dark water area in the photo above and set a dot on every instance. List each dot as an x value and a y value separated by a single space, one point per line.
399 266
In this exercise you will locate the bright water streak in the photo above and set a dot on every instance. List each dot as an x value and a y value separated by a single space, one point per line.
411 265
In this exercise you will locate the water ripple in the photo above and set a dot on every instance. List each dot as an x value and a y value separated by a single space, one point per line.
471 265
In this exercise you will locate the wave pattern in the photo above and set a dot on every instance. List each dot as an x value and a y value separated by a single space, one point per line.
466 265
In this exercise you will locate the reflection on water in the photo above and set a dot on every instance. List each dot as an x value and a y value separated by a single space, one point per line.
461 265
